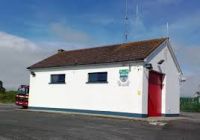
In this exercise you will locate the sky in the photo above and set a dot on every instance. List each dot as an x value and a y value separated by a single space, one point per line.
31 30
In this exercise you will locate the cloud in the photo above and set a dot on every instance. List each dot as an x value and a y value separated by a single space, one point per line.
187 27
191 86
161 2
102 20
168 1
17 43
189 57
69 34
16 54
136 26
53 45
184 33
189 60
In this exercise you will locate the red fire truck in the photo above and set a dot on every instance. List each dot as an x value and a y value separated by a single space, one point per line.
22 96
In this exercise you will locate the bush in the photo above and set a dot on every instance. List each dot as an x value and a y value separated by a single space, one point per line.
7 97
190 104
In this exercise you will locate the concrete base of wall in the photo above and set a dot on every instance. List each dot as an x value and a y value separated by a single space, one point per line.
170 115
106 113
102 113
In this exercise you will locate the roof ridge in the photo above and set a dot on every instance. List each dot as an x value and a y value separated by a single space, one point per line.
117 44
137 50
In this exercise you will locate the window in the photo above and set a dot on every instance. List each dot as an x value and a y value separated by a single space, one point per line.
98 77
57 78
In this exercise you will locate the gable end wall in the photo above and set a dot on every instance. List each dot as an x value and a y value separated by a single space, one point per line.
171 86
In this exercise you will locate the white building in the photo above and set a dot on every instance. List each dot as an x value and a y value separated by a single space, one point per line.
137 79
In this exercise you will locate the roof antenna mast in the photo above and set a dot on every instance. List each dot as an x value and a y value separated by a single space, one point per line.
126 22
137 12
167 27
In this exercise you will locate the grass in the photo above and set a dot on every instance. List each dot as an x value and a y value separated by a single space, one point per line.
186 104
7 97
189 105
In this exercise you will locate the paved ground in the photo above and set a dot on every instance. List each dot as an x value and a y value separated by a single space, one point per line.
18 124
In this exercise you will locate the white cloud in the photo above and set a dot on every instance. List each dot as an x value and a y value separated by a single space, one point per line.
161 2
191 86
62 45
69 34
101 20
189 56
189 59
187 27
16 54
168 1
184 33
13 42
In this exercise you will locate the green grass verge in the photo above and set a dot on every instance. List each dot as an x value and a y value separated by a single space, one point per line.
186 104
7 97
189 105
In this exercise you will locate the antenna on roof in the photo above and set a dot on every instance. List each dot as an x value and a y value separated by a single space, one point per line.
126 21
137 11
167 27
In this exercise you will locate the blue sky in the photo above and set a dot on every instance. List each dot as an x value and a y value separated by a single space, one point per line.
100 20
72 24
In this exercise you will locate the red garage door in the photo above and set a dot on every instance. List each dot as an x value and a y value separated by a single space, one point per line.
155 93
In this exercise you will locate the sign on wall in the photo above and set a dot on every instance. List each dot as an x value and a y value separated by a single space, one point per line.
123 77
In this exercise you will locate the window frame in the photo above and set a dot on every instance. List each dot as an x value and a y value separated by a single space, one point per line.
58 82
97 81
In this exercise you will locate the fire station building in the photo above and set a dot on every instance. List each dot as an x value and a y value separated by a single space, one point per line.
136 79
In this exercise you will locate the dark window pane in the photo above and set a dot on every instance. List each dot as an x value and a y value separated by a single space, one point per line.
98 77
92 77
102 77
58 78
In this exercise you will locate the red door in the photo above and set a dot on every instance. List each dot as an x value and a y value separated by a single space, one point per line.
155 93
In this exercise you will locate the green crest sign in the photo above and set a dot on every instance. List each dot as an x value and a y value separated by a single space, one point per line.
123 76
123 72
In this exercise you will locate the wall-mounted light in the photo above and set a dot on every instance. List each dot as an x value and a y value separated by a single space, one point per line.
148 66
33 73
161 61
182 79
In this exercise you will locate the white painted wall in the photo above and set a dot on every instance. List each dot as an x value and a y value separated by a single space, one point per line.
77 94
171 86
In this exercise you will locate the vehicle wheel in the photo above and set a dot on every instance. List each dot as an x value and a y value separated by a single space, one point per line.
24 107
